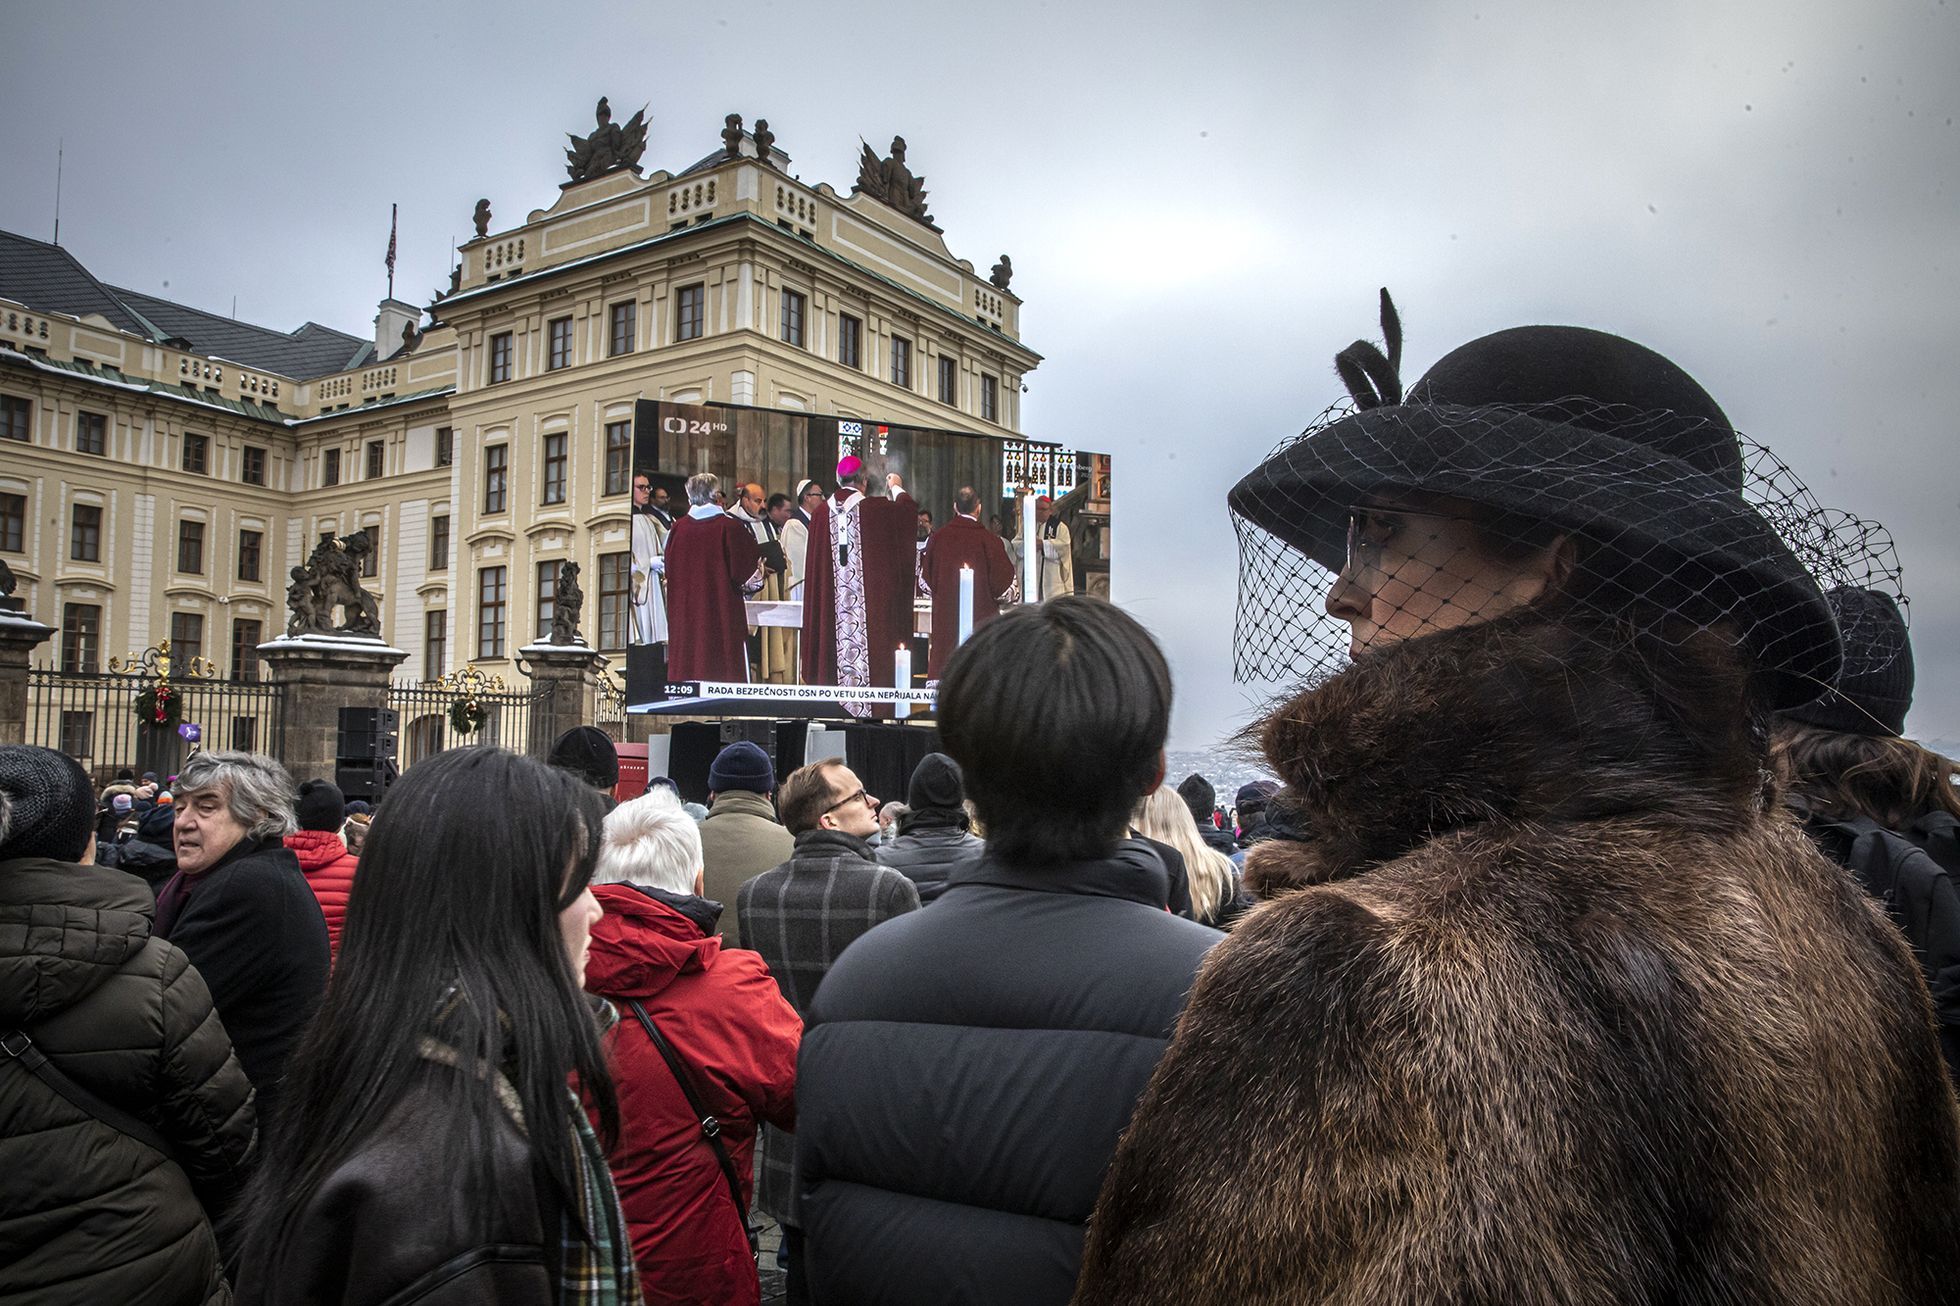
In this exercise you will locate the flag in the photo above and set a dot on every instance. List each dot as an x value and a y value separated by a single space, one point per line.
393 209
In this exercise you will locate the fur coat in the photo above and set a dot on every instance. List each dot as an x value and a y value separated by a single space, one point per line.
1553 1006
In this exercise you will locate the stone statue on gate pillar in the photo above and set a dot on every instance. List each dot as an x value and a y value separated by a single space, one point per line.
331 579
567 605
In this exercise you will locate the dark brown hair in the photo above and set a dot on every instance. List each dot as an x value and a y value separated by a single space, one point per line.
807 794
1889 780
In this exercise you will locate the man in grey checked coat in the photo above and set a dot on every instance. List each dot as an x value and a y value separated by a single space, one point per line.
803 914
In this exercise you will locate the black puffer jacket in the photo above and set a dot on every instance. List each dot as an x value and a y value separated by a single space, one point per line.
965 1073
88 1214
929 845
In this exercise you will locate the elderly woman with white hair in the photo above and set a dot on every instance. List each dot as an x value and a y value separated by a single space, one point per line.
703 1031
240 908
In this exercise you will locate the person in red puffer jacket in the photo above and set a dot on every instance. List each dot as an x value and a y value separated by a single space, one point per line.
321 810
736 1039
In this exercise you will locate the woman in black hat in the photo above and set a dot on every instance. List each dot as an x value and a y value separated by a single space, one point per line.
1553 1004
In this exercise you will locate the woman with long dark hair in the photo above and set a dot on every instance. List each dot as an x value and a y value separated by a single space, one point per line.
430 1148
1551 1002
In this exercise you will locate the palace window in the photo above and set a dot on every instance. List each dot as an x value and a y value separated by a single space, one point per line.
554 467
500 357
252 465
559 341
85 533
13 523
496 478
619 457
371 560
190 547
445 445
435 643
615 597
989 399
15 415
330 467
377 455
901 362
547 598
81 637
690 312
439 543
793 305
186 638
949 380
625 322
246 636
197 452
77 733
850 341
492 595
250 546
91 433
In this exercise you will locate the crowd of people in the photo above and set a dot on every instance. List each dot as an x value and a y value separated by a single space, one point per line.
1597 942
840 571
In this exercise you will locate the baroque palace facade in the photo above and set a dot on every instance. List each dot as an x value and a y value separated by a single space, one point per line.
163 469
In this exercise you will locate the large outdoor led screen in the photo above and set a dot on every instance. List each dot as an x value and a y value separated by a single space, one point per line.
787 593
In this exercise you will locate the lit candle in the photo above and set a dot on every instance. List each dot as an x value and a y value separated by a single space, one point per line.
1030 556
966 604
902 673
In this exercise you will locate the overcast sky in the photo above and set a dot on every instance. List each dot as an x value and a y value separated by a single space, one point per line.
1200 201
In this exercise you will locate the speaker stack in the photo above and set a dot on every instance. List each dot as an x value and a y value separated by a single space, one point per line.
364 756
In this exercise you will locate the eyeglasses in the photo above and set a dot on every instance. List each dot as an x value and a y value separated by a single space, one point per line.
862 795
1370 529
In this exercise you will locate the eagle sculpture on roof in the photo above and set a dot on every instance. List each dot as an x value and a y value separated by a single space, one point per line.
609 148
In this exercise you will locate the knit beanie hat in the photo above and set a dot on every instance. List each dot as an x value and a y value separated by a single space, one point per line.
588 753
937 783
321 806
1875 687
1199 796
121 804
47 805
742 765
1252 798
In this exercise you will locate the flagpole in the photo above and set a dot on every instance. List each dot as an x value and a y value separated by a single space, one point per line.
394 211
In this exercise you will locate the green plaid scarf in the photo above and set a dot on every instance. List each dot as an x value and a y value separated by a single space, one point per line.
595 1268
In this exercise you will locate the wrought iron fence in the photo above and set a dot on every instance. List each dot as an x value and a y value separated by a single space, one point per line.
94 718
466 709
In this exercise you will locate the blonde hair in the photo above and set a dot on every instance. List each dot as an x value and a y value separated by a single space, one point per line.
1163 816
650 841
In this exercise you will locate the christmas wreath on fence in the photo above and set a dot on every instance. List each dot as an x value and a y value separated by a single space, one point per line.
160 707
466 716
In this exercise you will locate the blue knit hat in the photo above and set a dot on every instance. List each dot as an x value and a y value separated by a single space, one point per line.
742 765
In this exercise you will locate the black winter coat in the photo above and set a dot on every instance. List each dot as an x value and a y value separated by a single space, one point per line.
252 926
928 847
1922 900
965 1073
87 1213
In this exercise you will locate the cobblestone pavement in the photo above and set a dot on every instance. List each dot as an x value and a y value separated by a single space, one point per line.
775 1290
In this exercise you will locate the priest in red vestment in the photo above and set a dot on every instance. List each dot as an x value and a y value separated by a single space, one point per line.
962 542
857 595
711 562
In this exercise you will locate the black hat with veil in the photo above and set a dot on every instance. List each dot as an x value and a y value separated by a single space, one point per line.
1553 430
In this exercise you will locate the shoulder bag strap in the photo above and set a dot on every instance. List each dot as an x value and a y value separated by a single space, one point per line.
710 1127
15 1044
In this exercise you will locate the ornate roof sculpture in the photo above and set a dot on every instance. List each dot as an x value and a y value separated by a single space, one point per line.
891 181
609 148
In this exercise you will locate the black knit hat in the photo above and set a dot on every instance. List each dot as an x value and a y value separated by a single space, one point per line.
588 753
742 765
937 784
321 806
47 804
1198 795
1576 430
1874 690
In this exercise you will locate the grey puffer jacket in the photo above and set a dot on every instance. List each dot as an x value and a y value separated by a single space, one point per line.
87 1213
928 847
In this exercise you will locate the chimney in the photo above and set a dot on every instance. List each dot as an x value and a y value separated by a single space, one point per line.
393 316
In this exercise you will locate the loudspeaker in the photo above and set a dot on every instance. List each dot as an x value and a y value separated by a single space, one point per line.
365 779
368 732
